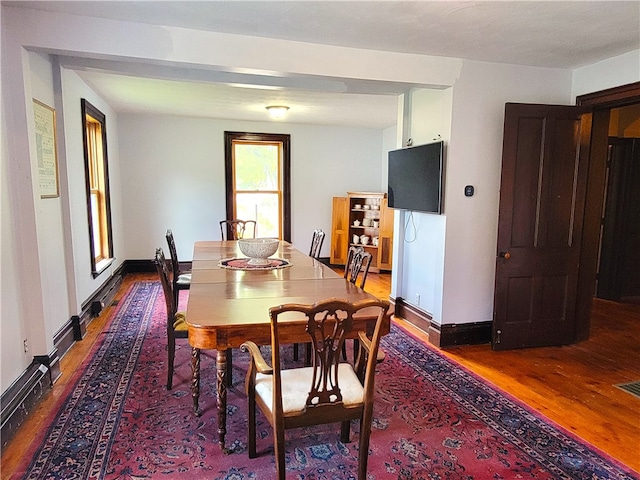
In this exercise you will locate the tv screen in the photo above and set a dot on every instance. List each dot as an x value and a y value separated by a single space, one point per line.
416 178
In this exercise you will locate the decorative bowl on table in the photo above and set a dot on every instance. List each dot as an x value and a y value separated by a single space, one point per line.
258 249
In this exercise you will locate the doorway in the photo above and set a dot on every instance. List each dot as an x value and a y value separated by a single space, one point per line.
619 259
605 104
537 294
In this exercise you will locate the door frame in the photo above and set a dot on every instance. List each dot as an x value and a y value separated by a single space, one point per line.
601 102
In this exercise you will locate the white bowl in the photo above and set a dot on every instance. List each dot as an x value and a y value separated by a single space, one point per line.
258 249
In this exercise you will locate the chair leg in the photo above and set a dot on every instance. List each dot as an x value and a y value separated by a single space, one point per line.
251 393
278 444
363 450
295 352
171 351
345 428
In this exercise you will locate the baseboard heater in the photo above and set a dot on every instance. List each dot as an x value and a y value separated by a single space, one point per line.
21 398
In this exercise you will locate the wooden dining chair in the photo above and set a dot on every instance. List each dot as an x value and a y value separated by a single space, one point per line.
180 278
328 391
176 323
314 251
358 263
316 243
237 229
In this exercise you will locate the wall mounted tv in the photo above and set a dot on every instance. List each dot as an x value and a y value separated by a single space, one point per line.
416 178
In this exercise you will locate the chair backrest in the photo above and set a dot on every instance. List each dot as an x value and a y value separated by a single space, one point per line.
167 285
237 229
316 243
329 322
358 262
175 265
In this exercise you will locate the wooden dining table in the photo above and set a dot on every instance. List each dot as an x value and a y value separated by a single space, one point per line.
228 306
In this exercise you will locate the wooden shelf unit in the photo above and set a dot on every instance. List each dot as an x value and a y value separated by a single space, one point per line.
372 207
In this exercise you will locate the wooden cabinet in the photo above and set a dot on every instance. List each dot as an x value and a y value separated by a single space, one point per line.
339 231
363 219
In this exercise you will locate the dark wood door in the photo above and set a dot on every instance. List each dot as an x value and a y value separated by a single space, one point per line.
542 199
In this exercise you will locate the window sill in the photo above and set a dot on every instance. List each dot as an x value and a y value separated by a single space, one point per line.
101 266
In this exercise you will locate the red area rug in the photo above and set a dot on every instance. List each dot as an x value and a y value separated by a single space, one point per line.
432 420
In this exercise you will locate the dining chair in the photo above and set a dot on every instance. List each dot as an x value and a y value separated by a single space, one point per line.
358 263
176 323
314 251
180 278
328 391
237 229
316 243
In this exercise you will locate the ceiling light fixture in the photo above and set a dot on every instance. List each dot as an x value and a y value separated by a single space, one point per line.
277 111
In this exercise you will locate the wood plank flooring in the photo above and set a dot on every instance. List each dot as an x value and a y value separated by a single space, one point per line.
571 385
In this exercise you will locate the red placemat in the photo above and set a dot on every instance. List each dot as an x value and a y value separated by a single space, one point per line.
243 264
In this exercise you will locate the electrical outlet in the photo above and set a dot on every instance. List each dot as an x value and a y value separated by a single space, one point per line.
417 299
25 344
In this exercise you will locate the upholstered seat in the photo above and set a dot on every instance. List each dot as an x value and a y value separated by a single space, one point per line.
180 322
326 392
297 383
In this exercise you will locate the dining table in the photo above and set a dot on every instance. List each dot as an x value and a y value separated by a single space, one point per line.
229 303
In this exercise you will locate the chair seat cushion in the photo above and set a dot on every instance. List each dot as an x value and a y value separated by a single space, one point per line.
296 383
184 279
180 323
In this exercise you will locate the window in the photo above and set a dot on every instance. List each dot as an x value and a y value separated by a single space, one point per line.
97 184
258 181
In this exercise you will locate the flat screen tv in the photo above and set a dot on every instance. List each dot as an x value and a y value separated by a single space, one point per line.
416 176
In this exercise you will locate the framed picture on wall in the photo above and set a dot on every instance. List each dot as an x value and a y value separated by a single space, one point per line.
46 149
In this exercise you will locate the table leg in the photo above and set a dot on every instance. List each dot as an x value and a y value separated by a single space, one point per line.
195 379
221 379
229 367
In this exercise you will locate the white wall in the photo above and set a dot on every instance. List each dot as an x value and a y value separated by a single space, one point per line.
474 158
449 260
420 237
12 328
24 297
173 177
609 73
79 270
46 271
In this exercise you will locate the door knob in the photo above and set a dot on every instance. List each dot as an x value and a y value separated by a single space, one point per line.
505 255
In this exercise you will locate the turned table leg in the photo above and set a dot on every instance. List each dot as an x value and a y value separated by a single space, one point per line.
221 379
195 379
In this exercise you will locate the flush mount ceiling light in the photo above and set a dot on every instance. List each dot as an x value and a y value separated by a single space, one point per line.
277 111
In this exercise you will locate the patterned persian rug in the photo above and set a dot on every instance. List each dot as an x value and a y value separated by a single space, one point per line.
432 420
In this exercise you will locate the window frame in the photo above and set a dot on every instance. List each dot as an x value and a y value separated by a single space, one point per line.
104 258
285 140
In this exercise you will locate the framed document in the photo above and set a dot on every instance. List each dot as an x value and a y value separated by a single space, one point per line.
46 148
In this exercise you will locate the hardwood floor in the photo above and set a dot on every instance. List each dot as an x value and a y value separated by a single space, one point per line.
572 385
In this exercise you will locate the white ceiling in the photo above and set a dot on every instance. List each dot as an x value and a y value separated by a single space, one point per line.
561 34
